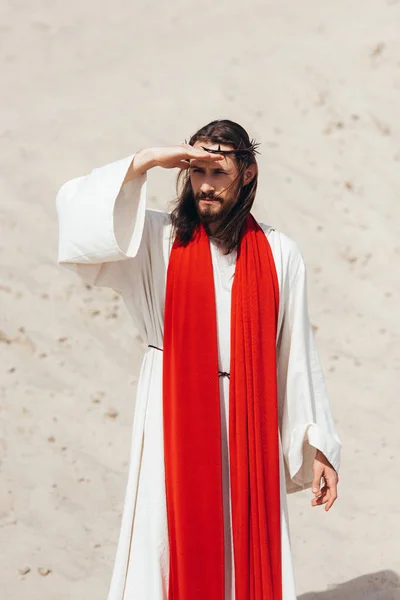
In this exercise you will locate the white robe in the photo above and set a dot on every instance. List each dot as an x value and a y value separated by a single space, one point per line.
110 239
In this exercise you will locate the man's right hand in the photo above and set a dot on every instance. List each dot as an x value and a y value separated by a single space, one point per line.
179 157
168 157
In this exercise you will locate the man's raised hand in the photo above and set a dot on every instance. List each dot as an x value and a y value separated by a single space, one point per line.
168 157
179 157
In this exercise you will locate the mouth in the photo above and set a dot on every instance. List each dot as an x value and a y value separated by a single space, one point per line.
209 200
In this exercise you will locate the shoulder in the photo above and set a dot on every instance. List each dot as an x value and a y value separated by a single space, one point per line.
157 220
289 261
158 216
285 250
158 226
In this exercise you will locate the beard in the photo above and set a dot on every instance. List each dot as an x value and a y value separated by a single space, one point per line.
213 213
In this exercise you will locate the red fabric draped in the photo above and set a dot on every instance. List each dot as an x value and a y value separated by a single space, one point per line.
192 426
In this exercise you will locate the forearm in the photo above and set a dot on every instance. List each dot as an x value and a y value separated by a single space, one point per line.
142 161
167 157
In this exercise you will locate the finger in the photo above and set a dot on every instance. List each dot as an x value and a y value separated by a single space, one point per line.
330 503
214 157
316 484
319 501
184 164
333 495
328 499
208 156
322 498
203 154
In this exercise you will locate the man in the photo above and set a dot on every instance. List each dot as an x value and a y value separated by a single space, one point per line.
231 409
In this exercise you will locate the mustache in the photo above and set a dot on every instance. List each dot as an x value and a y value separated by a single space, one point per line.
204 195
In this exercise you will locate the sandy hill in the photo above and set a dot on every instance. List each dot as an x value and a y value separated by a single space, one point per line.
84 83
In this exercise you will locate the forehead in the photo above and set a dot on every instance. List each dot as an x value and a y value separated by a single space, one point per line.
228 162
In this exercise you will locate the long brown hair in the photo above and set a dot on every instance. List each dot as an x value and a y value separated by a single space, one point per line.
185 219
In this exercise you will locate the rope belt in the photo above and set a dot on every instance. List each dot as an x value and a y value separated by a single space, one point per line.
224 374
220 373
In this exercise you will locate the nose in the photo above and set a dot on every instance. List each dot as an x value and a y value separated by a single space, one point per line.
206 188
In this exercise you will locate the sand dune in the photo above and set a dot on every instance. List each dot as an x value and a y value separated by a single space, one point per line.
318 84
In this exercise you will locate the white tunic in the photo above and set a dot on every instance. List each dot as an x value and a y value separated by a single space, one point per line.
110 239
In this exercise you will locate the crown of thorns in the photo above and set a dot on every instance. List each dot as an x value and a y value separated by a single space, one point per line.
252 149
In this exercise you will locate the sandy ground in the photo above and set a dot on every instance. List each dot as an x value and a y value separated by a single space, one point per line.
84 83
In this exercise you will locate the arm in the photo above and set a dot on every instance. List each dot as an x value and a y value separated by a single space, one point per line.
102 216
169 157
90 209
306 418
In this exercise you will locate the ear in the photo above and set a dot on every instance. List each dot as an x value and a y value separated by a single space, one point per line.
249 174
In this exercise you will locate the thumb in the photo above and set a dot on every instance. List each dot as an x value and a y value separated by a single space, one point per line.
184 164
316 484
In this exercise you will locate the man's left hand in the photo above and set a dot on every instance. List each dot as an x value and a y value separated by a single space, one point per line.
324 486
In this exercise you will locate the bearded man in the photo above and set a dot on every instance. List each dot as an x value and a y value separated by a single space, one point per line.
231 410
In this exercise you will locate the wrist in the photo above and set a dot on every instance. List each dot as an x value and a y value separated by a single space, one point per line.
320 456
144 160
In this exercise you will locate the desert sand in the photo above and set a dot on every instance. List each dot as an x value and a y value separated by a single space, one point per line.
84 83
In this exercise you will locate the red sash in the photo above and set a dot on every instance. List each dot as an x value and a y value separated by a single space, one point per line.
192 426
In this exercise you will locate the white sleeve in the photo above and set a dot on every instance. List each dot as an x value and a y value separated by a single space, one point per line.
306 419
101 222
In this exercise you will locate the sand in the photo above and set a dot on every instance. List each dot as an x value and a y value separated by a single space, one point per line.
84 83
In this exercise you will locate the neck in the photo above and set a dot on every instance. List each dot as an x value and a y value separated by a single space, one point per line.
212 229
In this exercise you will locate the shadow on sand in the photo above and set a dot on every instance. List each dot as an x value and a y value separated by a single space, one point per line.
383 585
